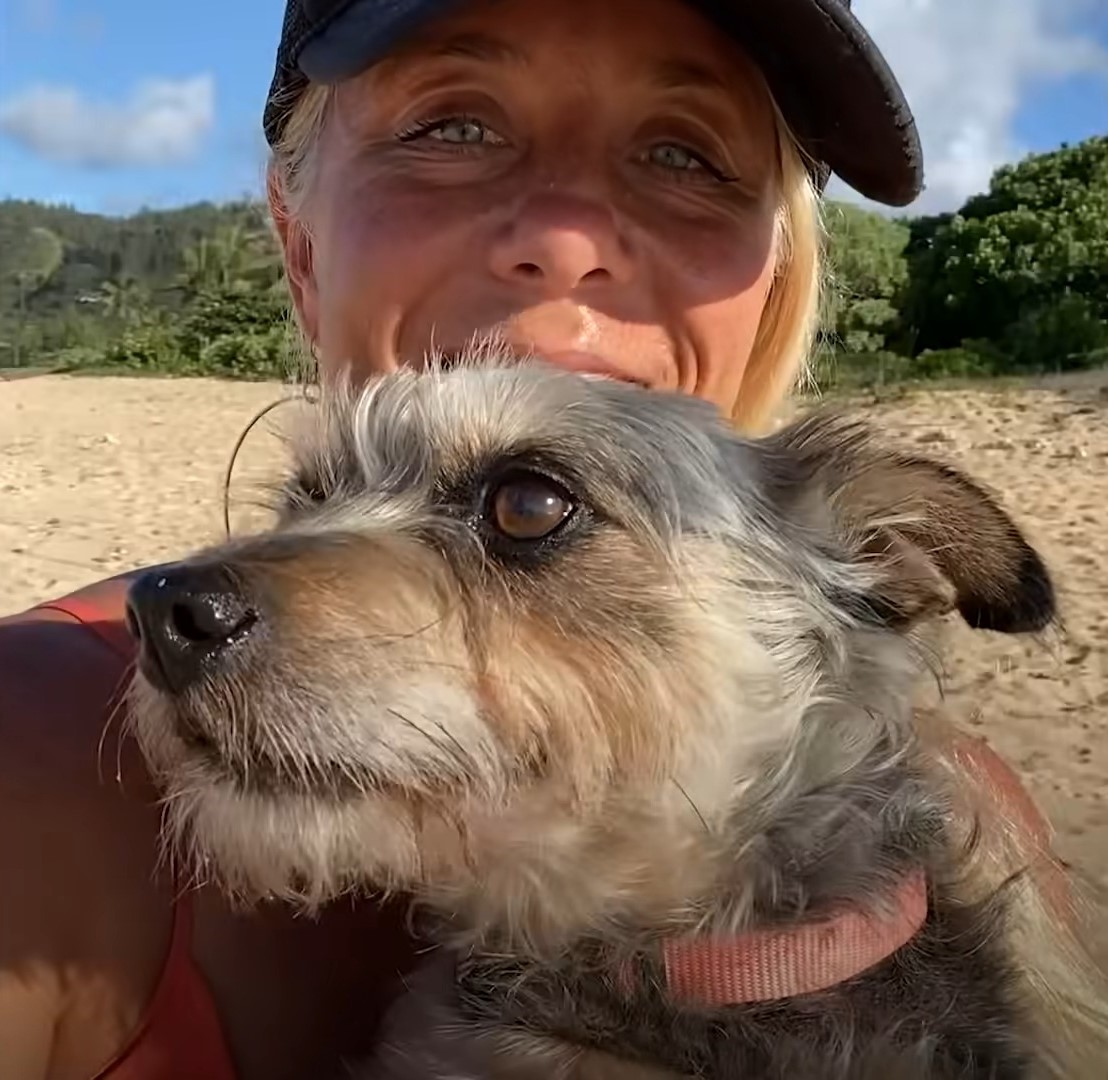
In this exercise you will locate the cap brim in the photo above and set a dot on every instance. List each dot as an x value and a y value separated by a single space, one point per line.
836 90
829 78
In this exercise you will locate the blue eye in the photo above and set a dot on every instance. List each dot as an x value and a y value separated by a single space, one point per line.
681 163
456 130
671 156
460 131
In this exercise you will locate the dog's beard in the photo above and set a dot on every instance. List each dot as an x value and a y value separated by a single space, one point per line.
267 811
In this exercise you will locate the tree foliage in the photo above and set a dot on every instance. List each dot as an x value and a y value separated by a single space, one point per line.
1024 265
154 291
1015 281
868 271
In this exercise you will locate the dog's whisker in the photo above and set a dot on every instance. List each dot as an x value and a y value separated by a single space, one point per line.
451 747
680 787
393 639
116 714
462 756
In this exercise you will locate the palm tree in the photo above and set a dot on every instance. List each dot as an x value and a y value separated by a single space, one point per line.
122 298
235 258
37 254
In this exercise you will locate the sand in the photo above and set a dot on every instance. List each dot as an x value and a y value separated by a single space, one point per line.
98 475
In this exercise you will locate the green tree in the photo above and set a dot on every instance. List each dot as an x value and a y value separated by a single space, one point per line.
33 259
123 274
1038 237
124 300
868 271
235 258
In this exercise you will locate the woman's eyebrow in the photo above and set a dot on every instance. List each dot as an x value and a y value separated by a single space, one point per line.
679 74
667 73
468 46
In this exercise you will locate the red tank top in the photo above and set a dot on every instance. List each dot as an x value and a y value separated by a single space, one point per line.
179 1036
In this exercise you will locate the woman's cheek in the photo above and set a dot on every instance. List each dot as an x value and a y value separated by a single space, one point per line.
717 272
711 246
375 248
379 259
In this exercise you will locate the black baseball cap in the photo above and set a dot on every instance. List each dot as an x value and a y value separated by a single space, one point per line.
830 80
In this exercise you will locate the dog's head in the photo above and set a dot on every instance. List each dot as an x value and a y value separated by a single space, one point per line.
514 624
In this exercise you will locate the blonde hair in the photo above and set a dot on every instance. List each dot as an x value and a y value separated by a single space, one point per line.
783 344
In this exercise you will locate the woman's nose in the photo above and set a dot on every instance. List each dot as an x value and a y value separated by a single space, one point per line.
558 244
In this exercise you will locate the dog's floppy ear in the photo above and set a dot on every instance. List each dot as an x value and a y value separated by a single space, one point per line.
938 540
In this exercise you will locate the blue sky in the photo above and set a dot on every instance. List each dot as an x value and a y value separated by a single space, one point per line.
109 105
1075 106
1067 111
104 50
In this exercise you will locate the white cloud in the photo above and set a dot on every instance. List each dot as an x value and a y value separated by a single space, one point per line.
966 66
162 122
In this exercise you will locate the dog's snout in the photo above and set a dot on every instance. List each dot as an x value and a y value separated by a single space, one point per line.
185 619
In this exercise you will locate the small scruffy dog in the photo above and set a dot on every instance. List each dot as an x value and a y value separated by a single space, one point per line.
623 700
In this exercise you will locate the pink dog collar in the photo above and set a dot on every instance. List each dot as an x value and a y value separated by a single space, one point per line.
765 965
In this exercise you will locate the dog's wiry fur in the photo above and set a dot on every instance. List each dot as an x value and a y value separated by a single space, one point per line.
689 712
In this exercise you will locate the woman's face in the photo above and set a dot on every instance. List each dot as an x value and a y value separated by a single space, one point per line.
594 182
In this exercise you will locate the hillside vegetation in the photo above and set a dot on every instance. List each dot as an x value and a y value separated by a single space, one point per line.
1015 282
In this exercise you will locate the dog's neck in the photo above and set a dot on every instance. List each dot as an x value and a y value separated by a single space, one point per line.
835 886
624 1003
765 963
830 886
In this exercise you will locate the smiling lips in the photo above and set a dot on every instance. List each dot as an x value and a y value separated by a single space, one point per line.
575 360
588 364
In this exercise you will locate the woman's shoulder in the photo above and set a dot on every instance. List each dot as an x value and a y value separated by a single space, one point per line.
78 821
64 665
67 761
62 670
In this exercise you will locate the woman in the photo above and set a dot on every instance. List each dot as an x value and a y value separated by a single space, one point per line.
627 187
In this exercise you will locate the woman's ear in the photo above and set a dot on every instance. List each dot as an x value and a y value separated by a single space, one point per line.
296 249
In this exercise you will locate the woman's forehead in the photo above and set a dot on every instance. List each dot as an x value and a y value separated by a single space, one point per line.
661 44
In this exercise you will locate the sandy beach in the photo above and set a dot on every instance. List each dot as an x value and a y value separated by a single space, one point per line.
98 475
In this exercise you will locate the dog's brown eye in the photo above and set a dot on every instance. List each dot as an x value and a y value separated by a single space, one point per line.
529 507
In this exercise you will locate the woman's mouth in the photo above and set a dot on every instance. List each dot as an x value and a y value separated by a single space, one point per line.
574 360
586 363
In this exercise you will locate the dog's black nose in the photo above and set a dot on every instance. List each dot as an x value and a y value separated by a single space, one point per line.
186 618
